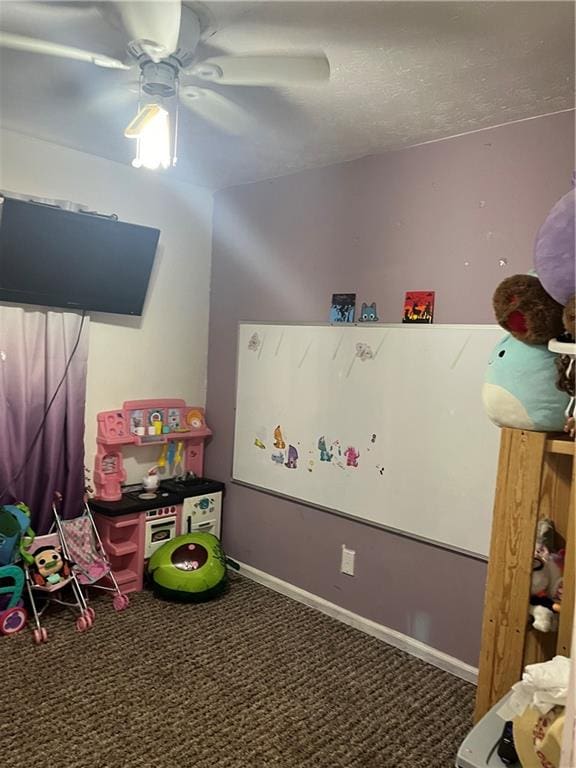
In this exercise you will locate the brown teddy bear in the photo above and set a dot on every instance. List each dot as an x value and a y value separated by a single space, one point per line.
525 310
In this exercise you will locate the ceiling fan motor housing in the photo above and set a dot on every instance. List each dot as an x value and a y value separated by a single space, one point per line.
159 79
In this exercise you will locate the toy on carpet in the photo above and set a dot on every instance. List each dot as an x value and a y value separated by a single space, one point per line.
547 580
519 389
190 568
14 525
13 615
524 309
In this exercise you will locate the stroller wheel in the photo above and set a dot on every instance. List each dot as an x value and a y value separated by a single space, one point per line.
82 624
91 613
121 602
40 635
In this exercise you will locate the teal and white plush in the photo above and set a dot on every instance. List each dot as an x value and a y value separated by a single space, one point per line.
520 388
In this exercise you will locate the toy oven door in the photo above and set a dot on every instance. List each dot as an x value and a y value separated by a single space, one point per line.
158 532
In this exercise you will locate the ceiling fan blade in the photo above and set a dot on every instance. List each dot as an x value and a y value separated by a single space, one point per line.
154 25
32 45
262 70
216 109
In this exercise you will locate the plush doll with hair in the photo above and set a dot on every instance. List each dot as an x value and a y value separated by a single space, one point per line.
547 580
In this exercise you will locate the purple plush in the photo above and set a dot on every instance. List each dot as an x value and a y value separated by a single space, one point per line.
554 251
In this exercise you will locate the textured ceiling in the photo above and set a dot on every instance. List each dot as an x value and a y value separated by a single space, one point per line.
402 73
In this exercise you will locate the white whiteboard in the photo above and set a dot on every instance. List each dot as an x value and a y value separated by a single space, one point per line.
407 400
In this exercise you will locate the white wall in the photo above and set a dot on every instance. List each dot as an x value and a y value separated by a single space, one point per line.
164 353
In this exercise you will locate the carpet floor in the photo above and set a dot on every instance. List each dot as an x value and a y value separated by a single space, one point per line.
251 680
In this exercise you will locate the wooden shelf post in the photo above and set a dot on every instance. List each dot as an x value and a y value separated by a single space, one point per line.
535 480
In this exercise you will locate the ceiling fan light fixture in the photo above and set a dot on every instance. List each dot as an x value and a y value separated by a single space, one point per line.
151 129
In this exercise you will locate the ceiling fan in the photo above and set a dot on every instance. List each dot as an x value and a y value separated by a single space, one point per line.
162 41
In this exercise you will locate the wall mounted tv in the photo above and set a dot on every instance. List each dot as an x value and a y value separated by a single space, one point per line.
60 258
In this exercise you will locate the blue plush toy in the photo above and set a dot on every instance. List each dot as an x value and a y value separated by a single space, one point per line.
520 388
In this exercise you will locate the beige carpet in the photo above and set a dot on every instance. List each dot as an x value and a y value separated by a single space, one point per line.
251 680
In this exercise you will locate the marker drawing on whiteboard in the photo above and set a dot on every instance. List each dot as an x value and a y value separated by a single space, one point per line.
254 343
364 351
373 439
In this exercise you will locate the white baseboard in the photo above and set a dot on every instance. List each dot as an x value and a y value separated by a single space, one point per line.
390 636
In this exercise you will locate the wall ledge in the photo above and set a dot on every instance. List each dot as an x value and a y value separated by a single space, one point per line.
387 635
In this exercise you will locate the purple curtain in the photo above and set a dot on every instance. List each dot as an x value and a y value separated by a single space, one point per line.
35 346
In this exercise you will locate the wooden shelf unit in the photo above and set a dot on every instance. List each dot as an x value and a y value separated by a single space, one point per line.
535 480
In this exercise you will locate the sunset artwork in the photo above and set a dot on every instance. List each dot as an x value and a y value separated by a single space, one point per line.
418 307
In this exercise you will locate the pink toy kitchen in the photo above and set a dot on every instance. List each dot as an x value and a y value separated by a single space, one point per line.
174 498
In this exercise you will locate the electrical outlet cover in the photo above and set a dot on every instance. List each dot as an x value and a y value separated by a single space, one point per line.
347 564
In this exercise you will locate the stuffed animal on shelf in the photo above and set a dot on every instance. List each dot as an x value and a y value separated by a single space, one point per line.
554 251
520 389
547 581
569 319
524 309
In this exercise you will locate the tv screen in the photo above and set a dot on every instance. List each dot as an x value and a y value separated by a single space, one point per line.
60 258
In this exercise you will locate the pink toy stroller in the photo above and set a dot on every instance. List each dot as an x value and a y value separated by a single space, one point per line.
48 571
90 562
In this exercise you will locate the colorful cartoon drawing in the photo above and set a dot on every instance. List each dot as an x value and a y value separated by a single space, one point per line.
278 439
258 443
368 313
195 419
352 456
343 307
278 457
173 419
418 307
325 454
136 420
292 460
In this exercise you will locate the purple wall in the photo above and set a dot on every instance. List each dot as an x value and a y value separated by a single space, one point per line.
440 217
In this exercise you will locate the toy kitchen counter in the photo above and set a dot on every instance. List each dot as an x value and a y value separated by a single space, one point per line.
133 527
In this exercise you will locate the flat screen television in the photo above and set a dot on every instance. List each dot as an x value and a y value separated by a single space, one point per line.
60 258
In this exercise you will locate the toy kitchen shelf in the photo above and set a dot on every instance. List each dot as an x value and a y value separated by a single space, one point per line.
147 422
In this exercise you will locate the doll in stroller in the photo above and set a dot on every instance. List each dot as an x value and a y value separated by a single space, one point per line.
71 555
